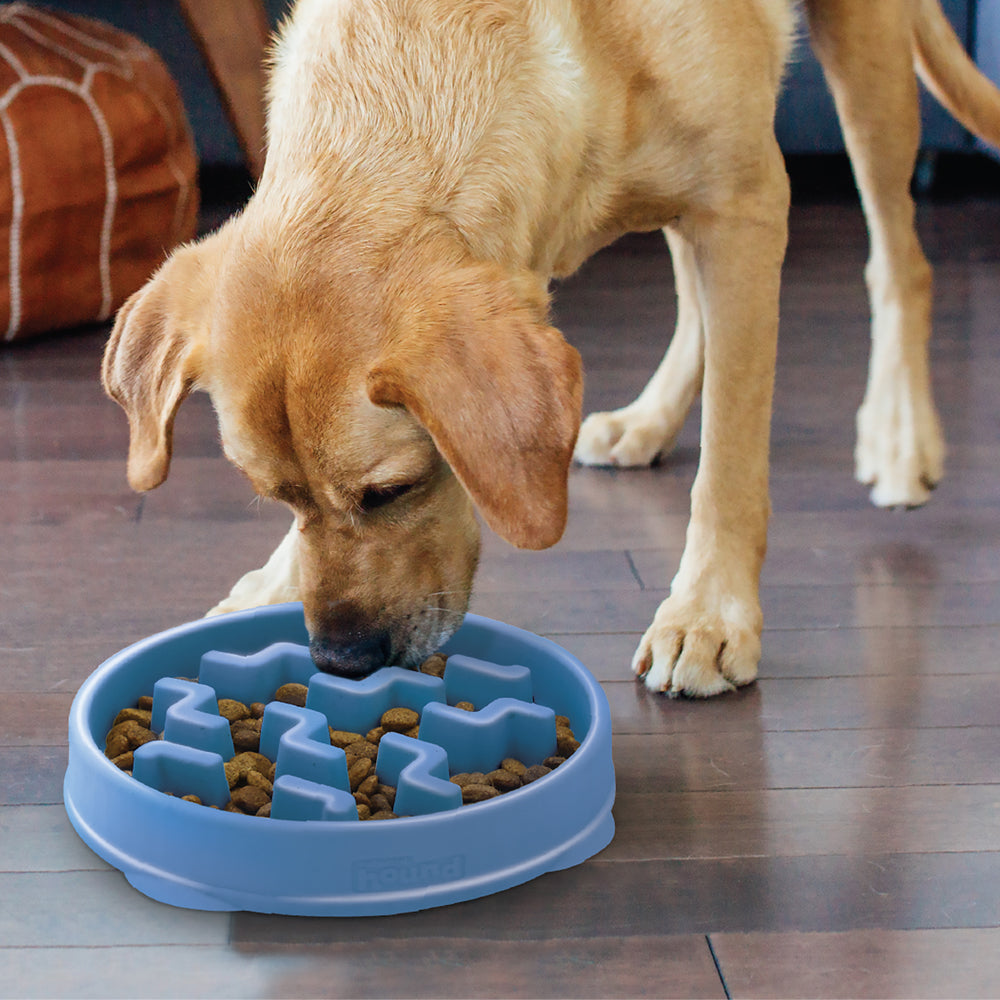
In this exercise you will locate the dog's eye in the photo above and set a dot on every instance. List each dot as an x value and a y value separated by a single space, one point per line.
375 497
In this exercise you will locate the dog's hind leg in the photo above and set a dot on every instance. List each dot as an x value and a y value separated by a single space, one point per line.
276 582
865 50
641 432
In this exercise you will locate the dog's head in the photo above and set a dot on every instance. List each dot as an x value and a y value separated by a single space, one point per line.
379 401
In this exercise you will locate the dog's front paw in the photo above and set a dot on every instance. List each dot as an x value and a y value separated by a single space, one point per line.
697 651
900 449
628 438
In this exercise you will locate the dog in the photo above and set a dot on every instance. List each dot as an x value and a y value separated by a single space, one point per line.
373 327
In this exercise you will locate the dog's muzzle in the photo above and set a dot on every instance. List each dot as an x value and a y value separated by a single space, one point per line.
357 656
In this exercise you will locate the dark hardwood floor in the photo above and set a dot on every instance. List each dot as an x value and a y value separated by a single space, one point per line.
832 830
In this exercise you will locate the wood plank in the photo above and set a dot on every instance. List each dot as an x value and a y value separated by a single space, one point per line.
911 964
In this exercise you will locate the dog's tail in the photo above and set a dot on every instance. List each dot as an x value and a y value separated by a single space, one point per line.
949 74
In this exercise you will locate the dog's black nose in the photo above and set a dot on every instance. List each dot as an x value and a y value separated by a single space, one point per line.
357 656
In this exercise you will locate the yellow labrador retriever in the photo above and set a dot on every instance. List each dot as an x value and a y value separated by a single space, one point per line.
373 329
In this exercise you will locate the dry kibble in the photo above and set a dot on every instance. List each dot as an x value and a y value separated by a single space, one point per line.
362 749
503 781
358 771
246 735
535 772
399 720
434 665
126 736
566 742
342 740
233 711
514 766
292 694
258 780
192 798
249 798
143 717
468 778
253 761
380 803
478 792
251 775
370 785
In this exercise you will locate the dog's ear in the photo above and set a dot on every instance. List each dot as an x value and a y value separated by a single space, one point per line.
499 391
152 359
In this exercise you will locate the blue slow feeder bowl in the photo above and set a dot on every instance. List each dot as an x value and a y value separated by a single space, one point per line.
319 859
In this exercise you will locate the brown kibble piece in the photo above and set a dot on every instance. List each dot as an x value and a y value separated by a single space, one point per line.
246 735
370 785
374 735
562 722
264 810
465 706
362 800
514 766
126 736
553 762
145 703
364 811
292 694
383 814
434 665
232 807
123 761
413 733
478 793
566 742
503 781
116 744
358 771
258 780
380 803
362 749
468 778
192 798
249 798
257 710
535 772
232 710
143 717
399 720
389 792
253 761
342 739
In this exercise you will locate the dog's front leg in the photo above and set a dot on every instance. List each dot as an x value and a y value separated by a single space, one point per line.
276 582
705 638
